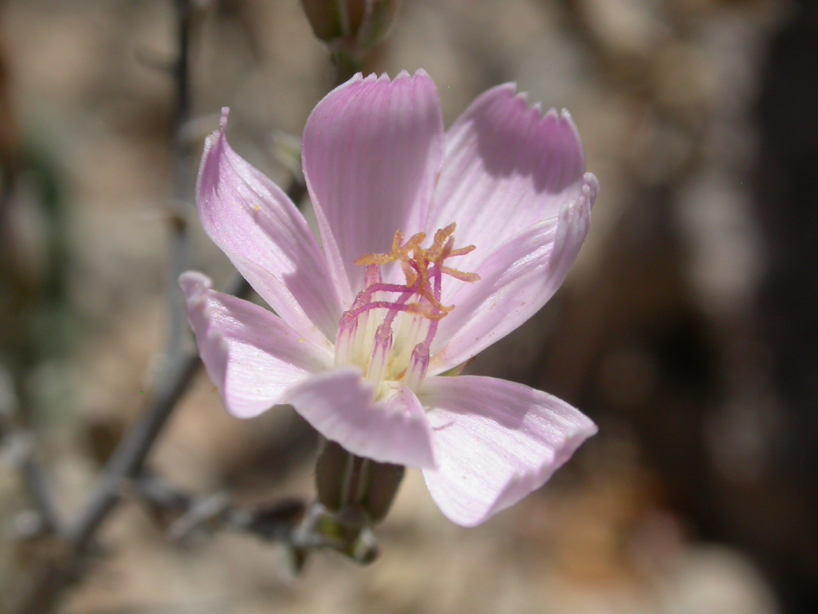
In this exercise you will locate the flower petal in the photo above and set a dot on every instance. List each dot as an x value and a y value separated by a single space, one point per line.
371 152
257 226
515 282
251 355
495 442
340 405
506 167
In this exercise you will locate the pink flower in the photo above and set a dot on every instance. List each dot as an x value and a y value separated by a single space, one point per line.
370 318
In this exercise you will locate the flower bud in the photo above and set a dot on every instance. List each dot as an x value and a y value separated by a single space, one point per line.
347 482
351 24
324 18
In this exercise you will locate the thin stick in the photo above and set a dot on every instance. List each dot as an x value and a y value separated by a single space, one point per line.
37 483
182 180
181 364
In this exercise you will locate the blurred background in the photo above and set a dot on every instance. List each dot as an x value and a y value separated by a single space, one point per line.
687 328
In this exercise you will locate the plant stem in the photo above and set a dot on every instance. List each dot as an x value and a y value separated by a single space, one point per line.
182 180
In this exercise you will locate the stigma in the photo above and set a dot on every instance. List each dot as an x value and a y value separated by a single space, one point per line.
389 329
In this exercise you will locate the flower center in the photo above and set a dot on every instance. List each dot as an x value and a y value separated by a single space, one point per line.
389 329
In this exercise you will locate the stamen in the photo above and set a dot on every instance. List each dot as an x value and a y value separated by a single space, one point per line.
409 273
373 276
418 365
461 251
462 276
345 341
412 309
381 349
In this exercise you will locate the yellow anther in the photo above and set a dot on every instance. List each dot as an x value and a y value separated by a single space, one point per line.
461 275
415 261
399 252
426 311
442 238
377 259
444 233
409 273
396 241
461 251
413 243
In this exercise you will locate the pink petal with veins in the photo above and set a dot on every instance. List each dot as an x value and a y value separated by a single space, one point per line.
340 404
372 152
516 280
257 226
495 442
251 355
505 168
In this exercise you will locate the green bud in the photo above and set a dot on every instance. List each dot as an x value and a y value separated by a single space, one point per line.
346 532
324 18
347 482
351 25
